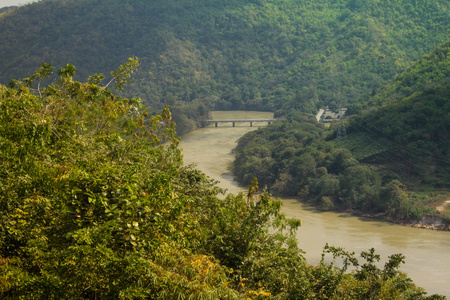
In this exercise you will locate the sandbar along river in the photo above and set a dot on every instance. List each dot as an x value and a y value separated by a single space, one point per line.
427 252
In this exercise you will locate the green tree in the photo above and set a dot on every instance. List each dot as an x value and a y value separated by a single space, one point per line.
397 199
93 203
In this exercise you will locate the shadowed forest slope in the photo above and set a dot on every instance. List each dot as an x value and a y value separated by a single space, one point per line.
390 159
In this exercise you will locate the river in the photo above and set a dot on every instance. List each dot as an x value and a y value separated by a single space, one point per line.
427 252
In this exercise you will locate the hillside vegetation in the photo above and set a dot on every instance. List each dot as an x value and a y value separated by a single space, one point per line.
233 54
97 204
95 201
7 8
432 70
390 160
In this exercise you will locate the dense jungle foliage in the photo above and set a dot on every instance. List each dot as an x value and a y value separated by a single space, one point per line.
433 69
228 54
388 151
95 203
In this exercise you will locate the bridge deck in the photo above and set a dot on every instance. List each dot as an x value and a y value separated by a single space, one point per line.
234 121
240 120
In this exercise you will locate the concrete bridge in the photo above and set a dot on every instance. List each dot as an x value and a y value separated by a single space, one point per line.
234 121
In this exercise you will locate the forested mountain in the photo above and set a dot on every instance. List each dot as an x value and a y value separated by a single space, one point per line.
95 203
414 120
232 54
432 70
385 153
7 8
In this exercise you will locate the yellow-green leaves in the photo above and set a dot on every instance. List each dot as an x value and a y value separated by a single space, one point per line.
123 73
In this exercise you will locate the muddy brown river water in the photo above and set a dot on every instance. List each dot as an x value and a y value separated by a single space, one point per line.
427 252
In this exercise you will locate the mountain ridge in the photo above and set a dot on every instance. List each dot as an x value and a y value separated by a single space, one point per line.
265 55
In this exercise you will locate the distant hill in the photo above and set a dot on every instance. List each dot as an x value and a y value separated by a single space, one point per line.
232 54
7 8
431 70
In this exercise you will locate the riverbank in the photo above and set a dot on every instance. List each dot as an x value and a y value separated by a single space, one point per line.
427 222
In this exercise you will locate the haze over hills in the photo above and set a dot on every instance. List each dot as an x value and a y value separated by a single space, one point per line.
11 3
235 54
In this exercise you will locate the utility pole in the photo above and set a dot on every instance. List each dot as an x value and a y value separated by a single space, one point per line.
342 133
